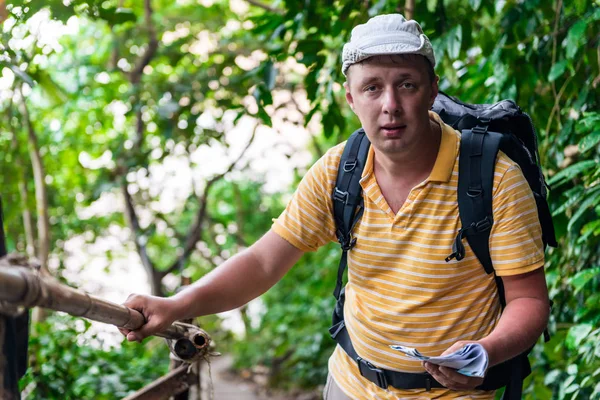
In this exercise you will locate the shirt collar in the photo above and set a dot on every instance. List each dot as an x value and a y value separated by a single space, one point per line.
447 153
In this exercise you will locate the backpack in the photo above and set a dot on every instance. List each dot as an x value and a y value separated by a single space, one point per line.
485 129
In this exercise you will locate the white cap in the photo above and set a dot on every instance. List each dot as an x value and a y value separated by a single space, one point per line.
386 35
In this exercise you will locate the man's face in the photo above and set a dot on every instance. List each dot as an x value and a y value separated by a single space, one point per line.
391 96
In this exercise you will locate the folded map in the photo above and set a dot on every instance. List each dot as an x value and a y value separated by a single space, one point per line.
469 360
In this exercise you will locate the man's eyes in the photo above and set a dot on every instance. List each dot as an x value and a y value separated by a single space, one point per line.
404 85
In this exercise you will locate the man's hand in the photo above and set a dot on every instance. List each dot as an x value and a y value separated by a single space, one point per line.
449 377
159 313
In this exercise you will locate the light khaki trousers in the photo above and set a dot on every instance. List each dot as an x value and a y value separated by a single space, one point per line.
332 391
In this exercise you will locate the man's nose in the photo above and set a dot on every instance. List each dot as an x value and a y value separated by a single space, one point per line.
391 102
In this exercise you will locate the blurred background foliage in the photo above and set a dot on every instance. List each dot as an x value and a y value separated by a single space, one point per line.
91 116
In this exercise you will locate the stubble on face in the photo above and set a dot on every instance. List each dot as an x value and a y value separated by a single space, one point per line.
392 95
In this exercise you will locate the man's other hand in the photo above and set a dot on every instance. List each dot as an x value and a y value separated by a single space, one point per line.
159 313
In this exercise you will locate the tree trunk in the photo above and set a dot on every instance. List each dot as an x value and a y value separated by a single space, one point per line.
41 198
26 214
27 218
409 9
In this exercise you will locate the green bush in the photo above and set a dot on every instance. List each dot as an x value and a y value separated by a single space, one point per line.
67 364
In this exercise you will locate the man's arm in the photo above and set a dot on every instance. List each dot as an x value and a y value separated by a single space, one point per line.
521 324
523 320
240 279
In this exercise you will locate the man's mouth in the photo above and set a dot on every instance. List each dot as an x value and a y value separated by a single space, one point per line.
393 130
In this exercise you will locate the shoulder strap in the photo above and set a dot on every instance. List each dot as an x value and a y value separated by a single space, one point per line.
477 160
347 196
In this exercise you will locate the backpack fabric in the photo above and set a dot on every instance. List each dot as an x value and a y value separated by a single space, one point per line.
485 129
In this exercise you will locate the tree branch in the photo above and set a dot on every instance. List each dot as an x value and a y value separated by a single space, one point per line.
409 9
257 3
136 235
556 107
554 43
135 78
26 214
138 70
195 231
41 195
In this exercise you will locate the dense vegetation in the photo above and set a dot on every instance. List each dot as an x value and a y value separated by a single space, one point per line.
96 119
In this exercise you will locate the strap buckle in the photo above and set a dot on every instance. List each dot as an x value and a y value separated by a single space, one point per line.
349 165
372 373
339 195
484 224
482 130
346 242
336 329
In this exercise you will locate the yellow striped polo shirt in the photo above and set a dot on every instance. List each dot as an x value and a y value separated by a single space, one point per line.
400 289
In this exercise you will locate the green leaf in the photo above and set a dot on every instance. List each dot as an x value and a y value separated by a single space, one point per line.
577 334
54 93
589 141
557 70
270 73
431 5
115 16
580 279
264 117
572 388
592 198
575 38
552 377
454 41
590 120
475 4
572 171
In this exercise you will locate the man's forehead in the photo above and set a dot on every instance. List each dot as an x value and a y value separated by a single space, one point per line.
397 66
395 59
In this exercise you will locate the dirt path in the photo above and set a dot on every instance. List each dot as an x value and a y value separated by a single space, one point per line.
229 387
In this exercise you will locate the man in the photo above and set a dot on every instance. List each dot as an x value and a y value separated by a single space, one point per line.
400 290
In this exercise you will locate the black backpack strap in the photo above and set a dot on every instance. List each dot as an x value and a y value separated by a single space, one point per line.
347 197
478 151
498 376
379 376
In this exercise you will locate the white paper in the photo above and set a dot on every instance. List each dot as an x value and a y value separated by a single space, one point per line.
469 360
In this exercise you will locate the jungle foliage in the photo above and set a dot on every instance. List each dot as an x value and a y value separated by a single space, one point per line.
133 85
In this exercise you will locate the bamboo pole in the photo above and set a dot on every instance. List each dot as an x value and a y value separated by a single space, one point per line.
22 288
175 382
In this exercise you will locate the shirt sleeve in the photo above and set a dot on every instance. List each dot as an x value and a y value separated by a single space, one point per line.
307 222
516 245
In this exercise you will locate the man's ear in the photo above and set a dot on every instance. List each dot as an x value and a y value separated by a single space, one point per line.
349 98
434 90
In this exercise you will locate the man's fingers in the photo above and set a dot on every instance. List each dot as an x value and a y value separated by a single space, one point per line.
453 381
133 337
135 301
150 328
457 346
124 331
454 347
454 376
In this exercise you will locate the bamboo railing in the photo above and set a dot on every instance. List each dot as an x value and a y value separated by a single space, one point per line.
21 288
